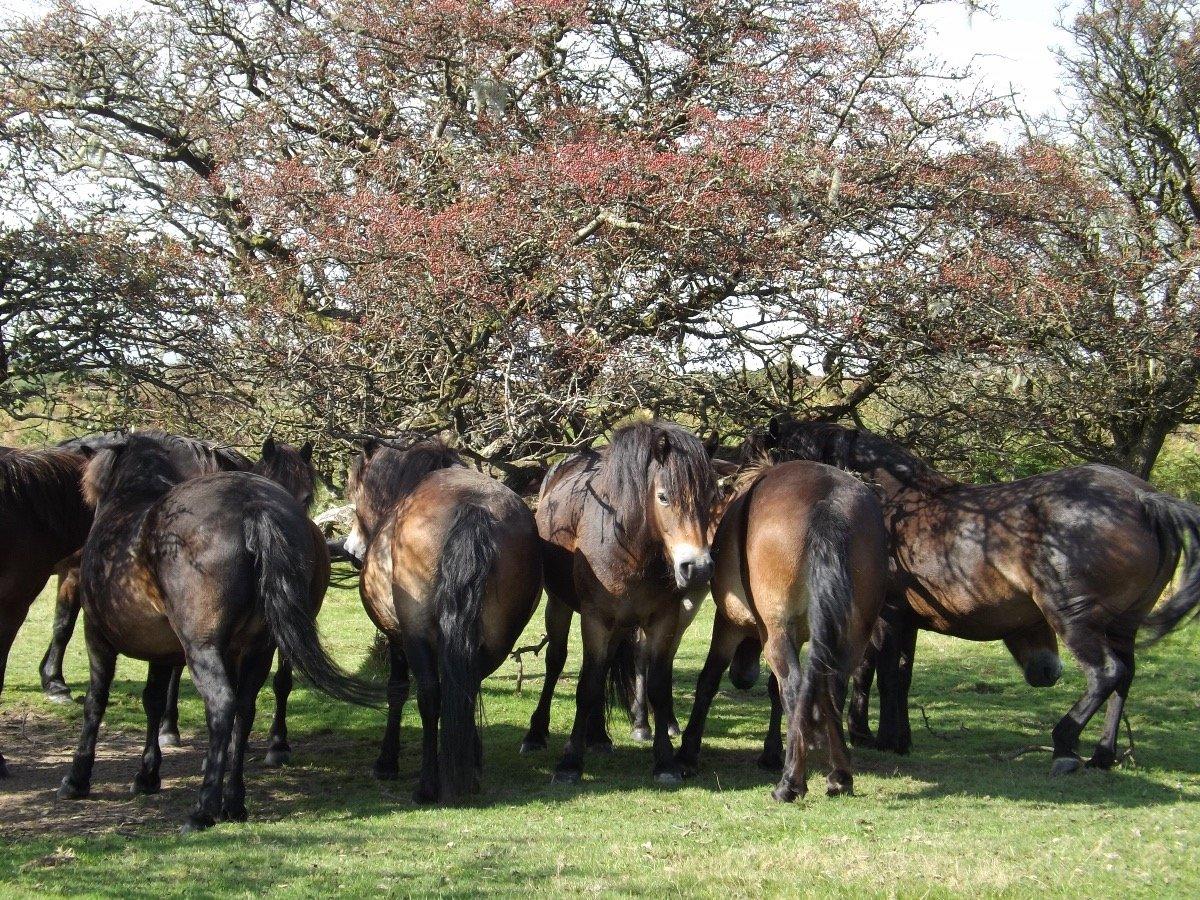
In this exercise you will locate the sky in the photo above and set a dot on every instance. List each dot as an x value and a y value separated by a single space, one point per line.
1010 49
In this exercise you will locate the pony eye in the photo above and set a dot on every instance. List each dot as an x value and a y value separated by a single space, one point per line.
662 497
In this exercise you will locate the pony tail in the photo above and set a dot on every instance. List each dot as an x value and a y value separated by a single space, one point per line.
831 602
1177 526
282 576
468 557
622 675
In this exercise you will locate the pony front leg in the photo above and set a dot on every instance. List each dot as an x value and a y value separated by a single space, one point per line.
589 697
660 645
725 641
154 698
102 661
279 751
558 631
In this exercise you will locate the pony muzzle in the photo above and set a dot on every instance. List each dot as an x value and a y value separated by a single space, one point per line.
693 566
355 548
1043 669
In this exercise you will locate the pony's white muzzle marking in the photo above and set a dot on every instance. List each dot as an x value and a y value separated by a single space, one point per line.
355 546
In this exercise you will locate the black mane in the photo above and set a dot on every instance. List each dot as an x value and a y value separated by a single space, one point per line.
395 470
854 449
687 474
139 468
191 456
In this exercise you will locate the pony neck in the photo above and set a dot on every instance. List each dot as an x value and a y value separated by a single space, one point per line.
892 467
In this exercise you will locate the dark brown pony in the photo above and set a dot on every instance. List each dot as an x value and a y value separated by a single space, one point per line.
626 536
192 457
801 558
215 571
282 463
451 574
43 521
1087 550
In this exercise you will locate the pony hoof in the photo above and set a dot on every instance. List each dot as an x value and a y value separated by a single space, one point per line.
58 695
641 733
169 739
688 766
566 776
1102 759
1065 765
532 745
68 790
770 761
234 812
839 784
603 748
669 777
145 785
276 758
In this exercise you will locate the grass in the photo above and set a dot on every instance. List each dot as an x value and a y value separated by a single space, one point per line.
957 817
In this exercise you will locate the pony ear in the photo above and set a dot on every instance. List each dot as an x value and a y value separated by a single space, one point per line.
774 435
268 447
662 446
712 443
370 445
306 450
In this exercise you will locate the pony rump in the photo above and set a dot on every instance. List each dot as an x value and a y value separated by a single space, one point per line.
682 462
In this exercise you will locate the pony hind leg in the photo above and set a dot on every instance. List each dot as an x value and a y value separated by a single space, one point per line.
154 700
860 697
1105 754
387 766
796 692
279 751
102 663
1105 671
210 674
841 778
558 631
66 613
422 657
252 674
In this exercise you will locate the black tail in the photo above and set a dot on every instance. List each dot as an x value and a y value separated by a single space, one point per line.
284 574
830 601
468 557
1177 524
622 674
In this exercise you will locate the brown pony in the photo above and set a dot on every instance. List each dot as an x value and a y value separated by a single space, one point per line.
215 570
801 557
43 521
1087 550
626 537
451 573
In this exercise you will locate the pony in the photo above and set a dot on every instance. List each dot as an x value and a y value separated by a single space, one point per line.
282 463
216 570
626 535
451 573
801 557
1082 554
43 522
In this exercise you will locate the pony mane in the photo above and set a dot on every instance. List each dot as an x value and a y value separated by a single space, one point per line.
685 470
45 486
751 472
854 449
192 456
395 470
140 468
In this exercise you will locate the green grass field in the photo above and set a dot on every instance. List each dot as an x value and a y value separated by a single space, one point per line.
960 816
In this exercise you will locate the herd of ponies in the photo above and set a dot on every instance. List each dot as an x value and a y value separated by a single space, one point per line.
183 552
